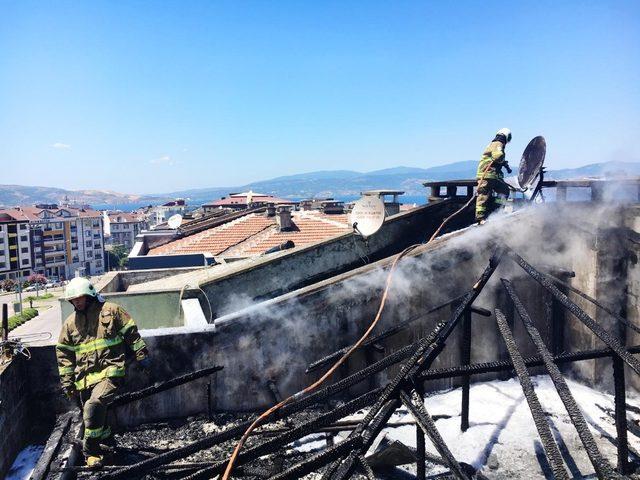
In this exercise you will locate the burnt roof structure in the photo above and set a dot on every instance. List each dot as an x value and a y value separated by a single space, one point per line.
549 290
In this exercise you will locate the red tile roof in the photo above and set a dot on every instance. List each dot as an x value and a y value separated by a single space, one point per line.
12 215
255 233
33 213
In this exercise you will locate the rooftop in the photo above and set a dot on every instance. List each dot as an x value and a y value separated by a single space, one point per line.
35 213
246 198
123 217
254 233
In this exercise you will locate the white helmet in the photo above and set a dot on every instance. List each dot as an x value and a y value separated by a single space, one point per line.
79 287
506 132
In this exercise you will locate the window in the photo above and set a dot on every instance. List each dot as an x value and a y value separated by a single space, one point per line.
1 240
25 261
3 264
24 238
23 226
24 249
88 243
89 254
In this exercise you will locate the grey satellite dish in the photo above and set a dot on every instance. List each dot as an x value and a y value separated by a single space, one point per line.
367 215
174 221
531 167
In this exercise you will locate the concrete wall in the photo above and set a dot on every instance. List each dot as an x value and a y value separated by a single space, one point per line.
15 425
274 276
155 309
120 281
170 261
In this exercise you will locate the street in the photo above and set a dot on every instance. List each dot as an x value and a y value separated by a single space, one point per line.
46 323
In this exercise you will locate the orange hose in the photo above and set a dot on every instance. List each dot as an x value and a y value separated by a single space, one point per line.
258 421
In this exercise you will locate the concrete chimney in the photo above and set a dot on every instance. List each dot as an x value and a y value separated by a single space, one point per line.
271 210
283 218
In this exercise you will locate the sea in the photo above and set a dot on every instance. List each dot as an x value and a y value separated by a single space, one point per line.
128 207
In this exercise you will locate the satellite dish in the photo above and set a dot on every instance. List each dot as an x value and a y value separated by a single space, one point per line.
531 164
174 221
367 215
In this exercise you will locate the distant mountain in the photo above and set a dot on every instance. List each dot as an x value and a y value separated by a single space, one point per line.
605 169
12 195
331 183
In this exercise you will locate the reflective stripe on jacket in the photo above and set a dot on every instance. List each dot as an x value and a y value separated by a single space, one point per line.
493 153
92 345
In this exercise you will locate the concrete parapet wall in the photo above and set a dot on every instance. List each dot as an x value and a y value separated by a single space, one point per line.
155 309
290 270
15 425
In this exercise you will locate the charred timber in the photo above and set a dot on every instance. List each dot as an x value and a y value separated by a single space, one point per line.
620 318
611 342
415 404
551 449
600 464
506 365
422 357
302 430
382 335
174 382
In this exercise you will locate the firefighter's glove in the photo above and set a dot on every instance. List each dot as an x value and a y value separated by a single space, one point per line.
70 392
508 168
145 365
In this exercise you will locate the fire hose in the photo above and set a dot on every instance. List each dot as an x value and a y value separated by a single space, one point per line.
266 414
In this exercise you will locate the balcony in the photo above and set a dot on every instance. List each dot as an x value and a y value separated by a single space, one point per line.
56 239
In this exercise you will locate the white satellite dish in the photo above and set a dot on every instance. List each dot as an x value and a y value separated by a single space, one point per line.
174 221
367 215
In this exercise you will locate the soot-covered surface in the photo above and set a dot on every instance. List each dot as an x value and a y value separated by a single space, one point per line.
501 443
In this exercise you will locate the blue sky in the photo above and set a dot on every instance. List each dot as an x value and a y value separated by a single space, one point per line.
143 97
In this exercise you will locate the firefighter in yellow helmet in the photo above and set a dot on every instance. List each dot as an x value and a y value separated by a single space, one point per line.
92 356
490 176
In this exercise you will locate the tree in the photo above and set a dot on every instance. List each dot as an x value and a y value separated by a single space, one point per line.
118 257
37 278
8 284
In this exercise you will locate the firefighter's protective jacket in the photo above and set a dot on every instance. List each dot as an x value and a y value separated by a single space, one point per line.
92 345
493 153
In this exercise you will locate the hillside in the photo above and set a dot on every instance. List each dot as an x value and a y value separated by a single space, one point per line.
337 183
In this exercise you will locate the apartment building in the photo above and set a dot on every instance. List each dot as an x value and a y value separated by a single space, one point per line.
161 213
15 246
63 240
121 228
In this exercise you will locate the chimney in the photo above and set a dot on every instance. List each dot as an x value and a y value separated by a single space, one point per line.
283 218
271 210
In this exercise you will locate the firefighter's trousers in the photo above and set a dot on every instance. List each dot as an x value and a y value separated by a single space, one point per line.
485 203
95 401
